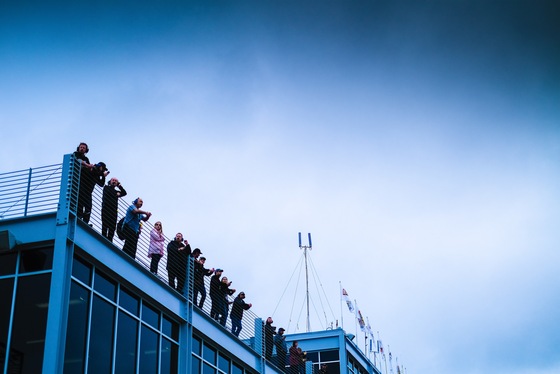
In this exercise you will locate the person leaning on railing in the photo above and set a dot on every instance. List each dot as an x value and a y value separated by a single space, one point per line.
109 207
84 209
131 227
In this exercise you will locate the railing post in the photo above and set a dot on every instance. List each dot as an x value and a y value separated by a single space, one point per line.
28 192
259 343
57 317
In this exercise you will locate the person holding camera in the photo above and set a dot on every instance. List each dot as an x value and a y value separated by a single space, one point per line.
177 255
109 207
225 292
131 229
269 332
239 305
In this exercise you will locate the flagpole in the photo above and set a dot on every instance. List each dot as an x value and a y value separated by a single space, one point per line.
341 311
356 319
390 359
385 360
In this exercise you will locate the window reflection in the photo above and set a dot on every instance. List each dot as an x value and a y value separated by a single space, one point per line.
148 351
76 331
169 357
101 338
105 286
29 324
81 271
129 301
150 315
127 336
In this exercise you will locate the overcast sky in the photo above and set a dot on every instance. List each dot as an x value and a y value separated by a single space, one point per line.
419 143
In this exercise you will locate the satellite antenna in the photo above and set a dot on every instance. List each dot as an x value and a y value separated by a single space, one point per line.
305 248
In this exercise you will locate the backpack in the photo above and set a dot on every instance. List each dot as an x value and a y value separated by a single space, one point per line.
120 229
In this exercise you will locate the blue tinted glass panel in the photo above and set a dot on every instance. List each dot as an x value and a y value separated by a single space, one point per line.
82 271
105 286
169 357
236 369
8 263
101 338
209 354
170 328
150 315
207 369
196 345
74 356
195 367
6 290
223 363
129 301
29 324
331 355
35 260
148 351
127 336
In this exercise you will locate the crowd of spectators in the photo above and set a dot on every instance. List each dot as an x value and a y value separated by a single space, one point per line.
179 253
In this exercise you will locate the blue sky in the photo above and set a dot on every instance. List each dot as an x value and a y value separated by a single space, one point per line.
418 143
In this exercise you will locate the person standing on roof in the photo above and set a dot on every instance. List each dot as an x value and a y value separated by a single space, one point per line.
239 305
109 207
177 255
131 229
155 250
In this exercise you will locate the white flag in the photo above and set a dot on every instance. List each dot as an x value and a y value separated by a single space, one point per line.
348 301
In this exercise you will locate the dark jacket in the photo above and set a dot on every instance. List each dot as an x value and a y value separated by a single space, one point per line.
239 305
199 272
109 206
176 259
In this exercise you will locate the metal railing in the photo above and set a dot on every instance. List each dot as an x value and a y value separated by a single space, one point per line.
30 192
36 191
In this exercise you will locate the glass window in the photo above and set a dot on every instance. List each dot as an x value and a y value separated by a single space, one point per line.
35 260
76 330
127 336
81 271
223 363
170 328
105 286
209 354
313 356
207 369
29 324
101 336
6 290
169 357
196 345
195 368
128 301
329 355
236 369
333 367
8 263
150 315
148 351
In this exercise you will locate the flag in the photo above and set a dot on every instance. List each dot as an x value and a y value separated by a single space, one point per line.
361 321
379 346
369 331
348 301
391 357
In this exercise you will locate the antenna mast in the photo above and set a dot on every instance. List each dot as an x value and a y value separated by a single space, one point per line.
305 248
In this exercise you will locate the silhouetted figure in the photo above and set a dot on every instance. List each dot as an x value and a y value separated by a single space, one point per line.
109 207
131 229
